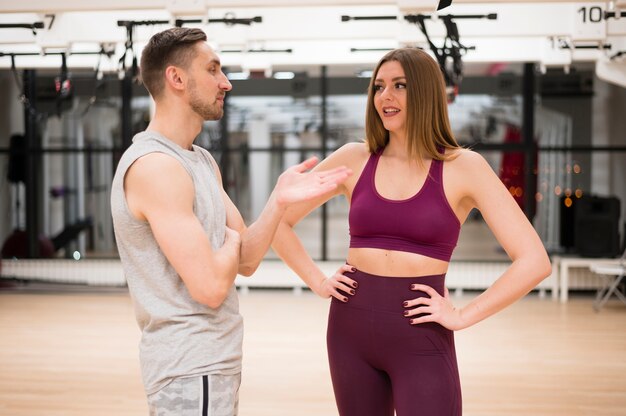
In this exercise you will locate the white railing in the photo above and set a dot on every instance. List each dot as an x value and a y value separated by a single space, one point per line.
97 272
271 274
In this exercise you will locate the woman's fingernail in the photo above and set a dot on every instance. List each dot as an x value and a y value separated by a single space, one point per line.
352 292
413 286
353 269
345 299
406 313
405 304
355 284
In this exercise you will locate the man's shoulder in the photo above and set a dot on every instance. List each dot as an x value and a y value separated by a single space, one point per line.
148 138
147 142
203 151
207 156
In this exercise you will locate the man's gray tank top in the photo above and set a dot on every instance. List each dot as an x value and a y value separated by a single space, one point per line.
179 336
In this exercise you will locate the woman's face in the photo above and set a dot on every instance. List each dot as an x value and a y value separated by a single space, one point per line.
390 96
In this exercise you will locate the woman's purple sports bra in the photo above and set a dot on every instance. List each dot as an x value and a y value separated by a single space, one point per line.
424 223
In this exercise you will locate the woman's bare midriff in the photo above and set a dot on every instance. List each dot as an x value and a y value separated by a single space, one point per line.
394 263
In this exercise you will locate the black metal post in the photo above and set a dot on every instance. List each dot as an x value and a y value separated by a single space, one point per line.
127 111
33 166
528 140
324 134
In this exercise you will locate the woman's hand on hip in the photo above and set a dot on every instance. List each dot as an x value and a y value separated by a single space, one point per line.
338 285
433 308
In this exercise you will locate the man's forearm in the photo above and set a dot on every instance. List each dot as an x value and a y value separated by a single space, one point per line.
227 261
213 280
256 239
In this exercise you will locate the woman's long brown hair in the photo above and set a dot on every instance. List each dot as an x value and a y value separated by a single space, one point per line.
428 126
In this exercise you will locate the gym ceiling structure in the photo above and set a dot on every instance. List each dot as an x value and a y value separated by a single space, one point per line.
537 87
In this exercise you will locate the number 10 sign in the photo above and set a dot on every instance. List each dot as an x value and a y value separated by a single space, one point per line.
589 22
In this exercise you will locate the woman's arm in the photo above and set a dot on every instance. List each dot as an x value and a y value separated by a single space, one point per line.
289 247
477 186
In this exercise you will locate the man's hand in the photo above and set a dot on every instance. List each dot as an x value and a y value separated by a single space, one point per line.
232 237
296 184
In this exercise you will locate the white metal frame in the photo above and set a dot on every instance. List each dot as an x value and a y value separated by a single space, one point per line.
525 31
615 274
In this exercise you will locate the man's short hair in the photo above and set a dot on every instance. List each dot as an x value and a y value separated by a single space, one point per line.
173 46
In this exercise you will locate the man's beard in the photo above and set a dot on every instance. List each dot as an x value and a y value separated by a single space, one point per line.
202 107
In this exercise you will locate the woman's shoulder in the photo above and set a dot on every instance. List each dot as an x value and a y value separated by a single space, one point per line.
356 149
350 154
463 157
466 166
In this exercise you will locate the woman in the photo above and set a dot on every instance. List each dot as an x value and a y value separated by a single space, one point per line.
391 322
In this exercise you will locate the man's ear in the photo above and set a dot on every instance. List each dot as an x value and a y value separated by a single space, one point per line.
175 77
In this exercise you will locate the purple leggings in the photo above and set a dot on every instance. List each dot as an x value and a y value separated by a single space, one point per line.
379 362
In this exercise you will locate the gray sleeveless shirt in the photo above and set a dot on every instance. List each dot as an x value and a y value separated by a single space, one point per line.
179 336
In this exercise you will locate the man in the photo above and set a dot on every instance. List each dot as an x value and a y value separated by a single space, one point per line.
182 241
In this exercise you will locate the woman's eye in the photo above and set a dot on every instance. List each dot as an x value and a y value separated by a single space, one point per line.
400 85
378 88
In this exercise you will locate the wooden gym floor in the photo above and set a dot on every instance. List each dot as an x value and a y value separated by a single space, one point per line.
74 353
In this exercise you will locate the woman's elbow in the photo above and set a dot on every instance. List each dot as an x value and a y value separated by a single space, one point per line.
537 265
543 266
547 268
